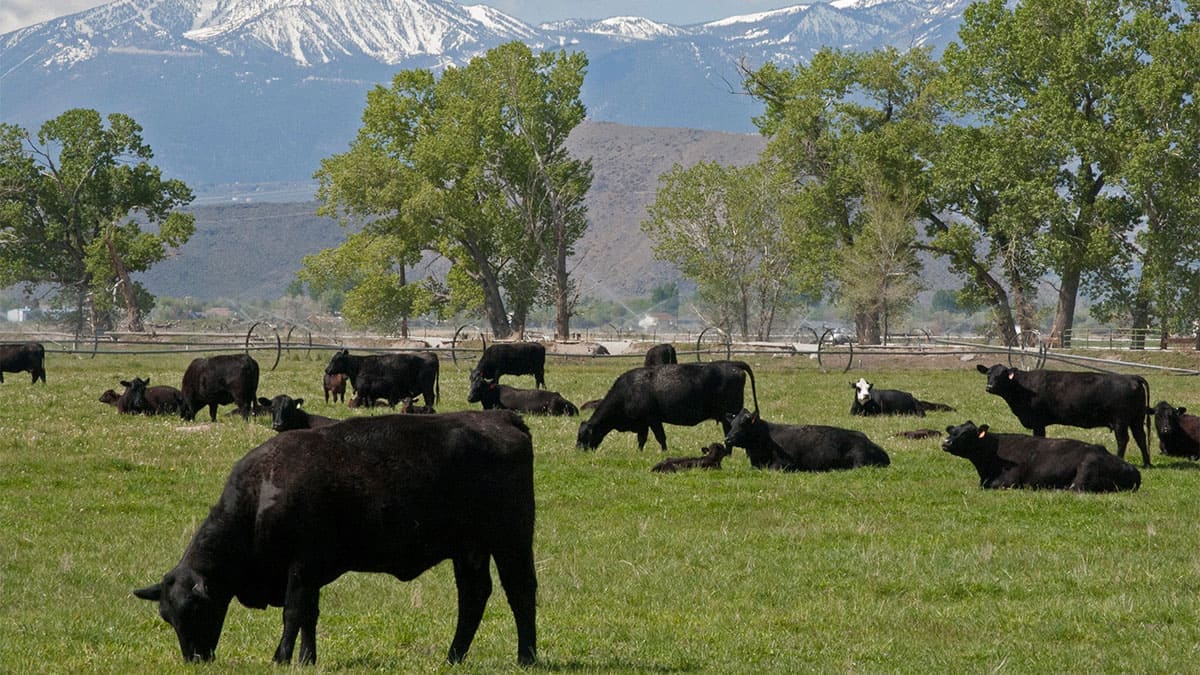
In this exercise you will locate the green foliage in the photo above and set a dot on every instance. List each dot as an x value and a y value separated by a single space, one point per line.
888 570
72 205
471 166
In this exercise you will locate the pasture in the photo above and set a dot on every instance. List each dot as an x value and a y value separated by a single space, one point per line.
903 569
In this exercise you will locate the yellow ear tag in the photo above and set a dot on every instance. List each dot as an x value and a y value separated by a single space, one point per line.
982 434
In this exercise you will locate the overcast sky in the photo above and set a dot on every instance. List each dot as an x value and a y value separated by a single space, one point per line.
16 14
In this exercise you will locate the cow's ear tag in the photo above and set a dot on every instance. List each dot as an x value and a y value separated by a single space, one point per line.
1011 375
982 433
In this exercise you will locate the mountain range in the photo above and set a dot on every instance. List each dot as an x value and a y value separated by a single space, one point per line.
259 91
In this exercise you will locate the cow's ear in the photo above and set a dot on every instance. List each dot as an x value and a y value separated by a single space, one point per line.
264 402
299 402
125 384
981 368
983 429
1181 410
147 382
150 592
853 385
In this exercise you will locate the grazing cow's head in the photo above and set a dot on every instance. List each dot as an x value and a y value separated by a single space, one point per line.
194 610
135 394
1166 418
862 390
590 435
999 378
340 363
285 412
963 440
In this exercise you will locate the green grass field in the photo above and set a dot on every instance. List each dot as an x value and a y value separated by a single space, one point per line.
911 568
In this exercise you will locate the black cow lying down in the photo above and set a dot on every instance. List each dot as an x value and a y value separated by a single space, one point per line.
711 459
1178 432
536 401
141 399
1019 461
809 447
286 414
394 494
871 401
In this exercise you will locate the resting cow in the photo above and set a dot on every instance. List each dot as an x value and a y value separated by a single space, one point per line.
516 358
1019 461
30 356
141 399
335 385
871 401
287 415
110 397
711 459
809 447
1178 432
643 399
392 377
661 354
217 380
1040 398
537 401
395 494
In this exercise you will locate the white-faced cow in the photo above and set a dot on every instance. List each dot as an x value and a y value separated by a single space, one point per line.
1040 398
1178 432
1019 461
287 415
807 447
515 358
536 401
871 401
661 354
392 377
395 494
643 399
217 380
710 459
141 399
28 356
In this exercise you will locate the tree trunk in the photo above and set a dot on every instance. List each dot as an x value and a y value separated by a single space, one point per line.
563 304
133 314
493 301
404 316
867 326
1064 315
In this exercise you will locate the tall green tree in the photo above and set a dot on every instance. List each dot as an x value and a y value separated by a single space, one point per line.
1049 72
733 231
72 204
840 123
471 166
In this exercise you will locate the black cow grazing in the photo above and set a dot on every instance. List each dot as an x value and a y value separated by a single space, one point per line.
643 399
809 447
1040 398
394 493
537 401
141 399
217 380
871 401
287 415
30 356
392 377
661 354
336 385
710 459
1178 432
515 358
110 397
1019 461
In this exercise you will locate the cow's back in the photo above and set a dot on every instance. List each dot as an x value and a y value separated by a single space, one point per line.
685 394
1081 399
392 493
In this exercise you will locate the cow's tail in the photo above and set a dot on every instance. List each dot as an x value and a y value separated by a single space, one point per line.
1146 412
753 388
930 406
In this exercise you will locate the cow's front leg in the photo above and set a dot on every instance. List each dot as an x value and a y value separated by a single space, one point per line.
642 434
301 607
474 581
660 435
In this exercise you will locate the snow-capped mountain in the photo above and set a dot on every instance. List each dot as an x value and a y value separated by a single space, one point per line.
261 90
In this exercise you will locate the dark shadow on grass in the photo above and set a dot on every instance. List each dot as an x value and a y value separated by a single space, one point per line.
1176 464
601 664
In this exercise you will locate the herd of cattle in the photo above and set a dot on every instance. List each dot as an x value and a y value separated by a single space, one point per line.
400 493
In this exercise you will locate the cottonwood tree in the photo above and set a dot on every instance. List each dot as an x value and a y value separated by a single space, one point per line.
733 232
470 166
841 122
73 200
